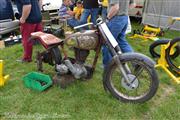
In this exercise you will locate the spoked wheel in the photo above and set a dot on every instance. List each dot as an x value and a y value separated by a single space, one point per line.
143 79
39 61
174 64
56 55
52 57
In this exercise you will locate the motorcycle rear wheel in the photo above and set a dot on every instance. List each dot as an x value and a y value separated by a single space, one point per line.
142 75
56 55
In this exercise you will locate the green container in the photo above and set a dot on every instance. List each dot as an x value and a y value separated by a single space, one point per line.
37 81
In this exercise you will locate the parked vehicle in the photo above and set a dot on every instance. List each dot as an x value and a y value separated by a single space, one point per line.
6 10
54 4
7 18
129 77
138 10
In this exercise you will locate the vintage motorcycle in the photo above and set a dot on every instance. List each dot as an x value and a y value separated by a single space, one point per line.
129 77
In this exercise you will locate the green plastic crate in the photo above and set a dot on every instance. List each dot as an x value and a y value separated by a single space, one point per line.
37 81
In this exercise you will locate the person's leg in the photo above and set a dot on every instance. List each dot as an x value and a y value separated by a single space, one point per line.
36 27
104 13
94 15
125 47
39 27
26 30
84 16
113 27
106 55
117 26
72 22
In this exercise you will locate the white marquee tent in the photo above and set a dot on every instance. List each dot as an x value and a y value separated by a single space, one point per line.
158 12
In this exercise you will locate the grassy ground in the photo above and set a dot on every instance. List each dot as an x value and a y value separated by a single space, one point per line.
81 100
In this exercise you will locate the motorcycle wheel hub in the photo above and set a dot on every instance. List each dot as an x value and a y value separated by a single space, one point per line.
133 82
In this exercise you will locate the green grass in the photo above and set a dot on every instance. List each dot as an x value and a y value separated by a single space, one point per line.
81 100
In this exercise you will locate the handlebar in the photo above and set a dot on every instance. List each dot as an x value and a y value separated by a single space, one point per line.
98 22
84 25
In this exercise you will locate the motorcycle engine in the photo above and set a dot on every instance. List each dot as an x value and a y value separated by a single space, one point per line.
86 40
77 70
82 42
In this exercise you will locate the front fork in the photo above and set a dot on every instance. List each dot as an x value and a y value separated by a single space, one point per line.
124 68
115 50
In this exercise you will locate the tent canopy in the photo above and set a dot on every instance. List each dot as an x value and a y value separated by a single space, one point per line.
158 12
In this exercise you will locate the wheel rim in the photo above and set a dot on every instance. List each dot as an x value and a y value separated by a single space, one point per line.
142 81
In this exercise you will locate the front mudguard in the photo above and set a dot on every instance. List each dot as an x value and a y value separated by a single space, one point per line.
136 56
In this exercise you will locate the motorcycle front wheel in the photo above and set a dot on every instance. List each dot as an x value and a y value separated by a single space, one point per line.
143 79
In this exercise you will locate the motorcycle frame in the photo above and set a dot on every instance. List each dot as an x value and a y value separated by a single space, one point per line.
106 37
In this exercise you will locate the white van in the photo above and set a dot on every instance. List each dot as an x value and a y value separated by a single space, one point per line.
54 4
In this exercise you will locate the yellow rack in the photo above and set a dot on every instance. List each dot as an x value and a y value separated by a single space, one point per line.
163 64
3 79
148 33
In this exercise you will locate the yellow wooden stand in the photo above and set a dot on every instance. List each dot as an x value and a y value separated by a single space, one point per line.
148 33
151 33
163 64
3 79
144 37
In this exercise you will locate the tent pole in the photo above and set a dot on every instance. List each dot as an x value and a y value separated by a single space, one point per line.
162 2
145 9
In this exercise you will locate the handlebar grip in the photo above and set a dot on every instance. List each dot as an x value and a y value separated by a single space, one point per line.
99 21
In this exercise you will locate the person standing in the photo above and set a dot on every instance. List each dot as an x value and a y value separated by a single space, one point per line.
117 18
30 21
91 7
104 9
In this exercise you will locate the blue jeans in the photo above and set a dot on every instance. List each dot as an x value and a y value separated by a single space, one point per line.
72 22
104 13
93 12
117 25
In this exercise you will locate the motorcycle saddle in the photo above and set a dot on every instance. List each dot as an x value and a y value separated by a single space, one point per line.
47 40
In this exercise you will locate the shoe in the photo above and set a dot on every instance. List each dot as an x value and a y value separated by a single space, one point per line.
23 61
